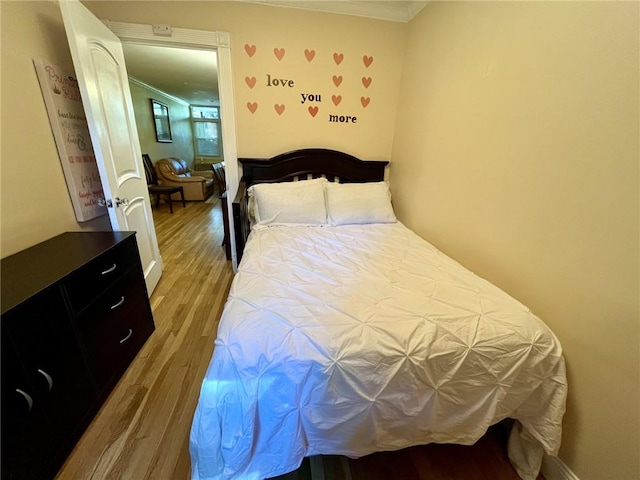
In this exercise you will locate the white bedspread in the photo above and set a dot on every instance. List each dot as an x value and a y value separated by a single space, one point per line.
355 339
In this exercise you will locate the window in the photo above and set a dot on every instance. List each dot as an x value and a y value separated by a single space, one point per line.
206 133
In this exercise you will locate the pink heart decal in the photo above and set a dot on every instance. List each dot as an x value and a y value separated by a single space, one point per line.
336 99
367 61
338 57
279 53
252 107
337 80
309 54
251 81
250 49
366 81
365 101
313 111
279 108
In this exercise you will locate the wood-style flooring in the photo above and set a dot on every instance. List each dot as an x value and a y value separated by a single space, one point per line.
142 431
486 460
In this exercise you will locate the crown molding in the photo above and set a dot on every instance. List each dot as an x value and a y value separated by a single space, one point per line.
416 7
403 12
157 90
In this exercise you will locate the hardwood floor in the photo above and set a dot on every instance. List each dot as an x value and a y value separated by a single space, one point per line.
142 431
486 460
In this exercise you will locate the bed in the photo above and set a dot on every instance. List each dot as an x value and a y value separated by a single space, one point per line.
345 333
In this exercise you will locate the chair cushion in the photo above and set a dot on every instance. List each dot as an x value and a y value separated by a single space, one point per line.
179 166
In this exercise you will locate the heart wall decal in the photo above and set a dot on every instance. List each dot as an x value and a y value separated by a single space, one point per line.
364 101
252 106
279 108
366 81
337 80
313 111
338 57
250 49
279 53
310 54
250 81
367 61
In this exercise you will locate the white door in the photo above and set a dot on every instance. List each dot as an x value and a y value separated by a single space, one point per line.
102 77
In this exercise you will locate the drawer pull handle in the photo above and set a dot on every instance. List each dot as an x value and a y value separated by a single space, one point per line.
27 397
47 377
109 270
127 337
113 307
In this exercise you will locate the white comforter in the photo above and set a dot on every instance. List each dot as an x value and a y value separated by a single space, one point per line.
354 339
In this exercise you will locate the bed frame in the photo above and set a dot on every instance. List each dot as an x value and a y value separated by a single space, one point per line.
296 165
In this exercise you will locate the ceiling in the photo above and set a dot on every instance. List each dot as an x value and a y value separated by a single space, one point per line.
191 75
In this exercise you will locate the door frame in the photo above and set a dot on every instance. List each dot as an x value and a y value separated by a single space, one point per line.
201 40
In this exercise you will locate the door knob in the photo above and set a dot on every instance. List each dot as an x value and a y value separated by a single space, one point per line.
117 201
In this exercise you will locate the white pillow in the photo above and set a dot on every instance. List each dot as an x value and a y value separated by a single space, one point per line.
290 202
357 203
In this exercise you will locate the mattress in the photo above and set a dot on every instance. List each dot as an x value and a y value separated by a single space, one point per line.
362 338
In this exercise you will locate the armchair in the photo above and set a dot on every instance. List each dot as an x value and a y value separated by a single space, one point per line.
175 171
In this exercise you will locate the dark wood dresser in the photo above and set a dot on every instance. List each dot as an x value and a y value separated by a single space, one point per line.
75 312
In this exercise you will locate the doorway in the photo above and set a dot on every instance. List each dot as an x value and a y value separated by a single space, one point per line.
184 81
206 41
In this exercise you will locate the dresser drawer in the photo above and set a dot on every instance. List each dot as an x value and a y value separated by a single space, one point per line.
89 281
63 346
114 328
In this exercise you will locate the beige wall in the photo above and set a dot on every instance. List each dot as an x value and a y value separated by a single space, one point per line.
179 116
34 201
265 133
516 152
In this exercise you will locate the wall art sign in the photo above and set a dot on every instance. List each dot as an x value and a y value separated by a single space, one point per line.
278 82
73 142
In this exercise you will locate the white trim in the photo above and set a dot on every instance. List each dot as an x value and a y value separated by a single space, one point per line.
180 37
415 8
137 81
229 143
379 11
201 40
555 469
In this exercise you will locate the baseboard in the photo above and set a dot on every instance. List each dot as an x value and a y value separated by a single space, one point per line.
555 469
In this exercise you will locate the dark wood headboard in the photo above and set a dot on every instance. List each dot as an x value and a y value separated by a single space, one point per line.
298 164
